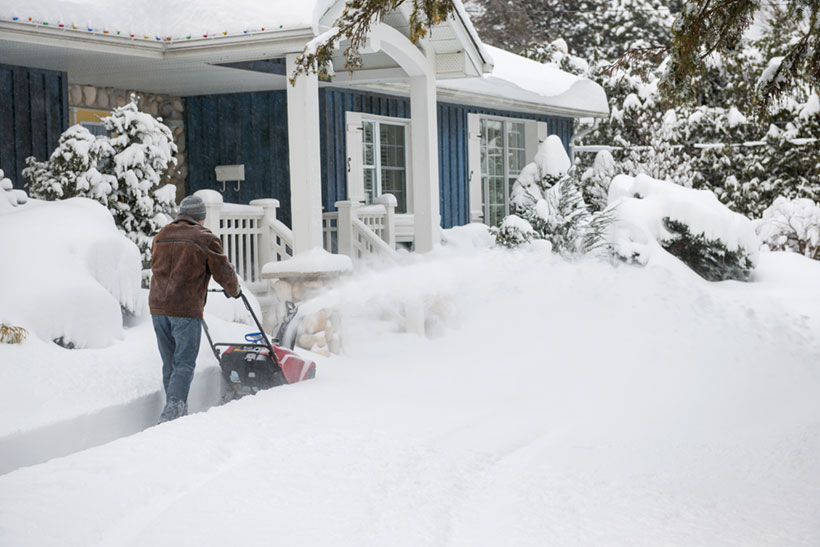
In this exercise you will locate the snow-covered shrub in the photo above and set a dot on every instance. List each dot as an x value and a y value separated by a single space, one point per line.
12 335
122 172
655 217
71 171
548 204
791 225
514 231
709 258
9 197
596 179
71 276
142 148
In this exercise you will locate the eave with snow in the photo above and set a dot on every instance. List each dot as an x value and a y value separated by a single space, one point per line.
447 86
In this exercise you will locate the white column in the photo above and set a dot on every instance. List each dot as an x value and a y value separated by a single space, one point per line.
424 142
304 152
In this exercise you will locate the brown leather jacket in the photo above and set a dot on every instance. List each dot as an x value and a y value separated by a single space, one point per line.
185 256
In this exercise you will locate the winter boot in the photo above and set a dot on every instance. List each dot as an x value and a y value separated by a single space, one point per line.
173 409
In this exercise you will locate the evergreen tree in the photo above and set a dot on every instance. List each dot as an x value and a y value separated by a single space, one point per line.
72 168
139 154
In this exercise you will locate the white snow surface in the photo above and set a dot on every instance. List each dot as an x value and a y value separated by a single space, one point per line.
67 271
517 78
642 202
693 414
171 18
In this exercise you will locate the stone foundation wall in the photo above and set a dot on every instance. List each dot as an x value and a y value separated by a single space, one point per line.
170 109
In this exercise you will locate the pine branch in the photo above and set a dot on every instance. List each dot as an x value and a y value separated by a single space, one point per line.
355 23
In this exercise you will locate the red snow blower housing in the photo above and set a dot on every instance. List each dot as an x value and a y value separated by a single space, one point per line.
259 364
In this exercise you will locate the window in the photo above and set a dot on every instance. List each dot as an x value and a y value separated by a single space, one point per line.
90 119
503 155
499 148
378 159
384 161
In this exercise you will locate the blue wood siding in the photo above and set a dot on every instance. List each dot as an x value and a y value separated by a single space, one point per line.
452 144
454 167
33 114
246 128
251 128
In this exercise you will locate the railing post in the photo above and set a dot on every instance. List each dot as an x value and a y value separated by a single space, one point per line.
269 207
347 212
389 229
213 203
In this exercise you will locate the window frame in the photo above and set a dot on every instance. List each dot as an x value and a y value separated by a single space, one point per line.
355 155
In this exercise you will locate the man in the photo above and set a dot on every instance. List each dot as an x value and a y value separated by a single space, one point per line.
185 256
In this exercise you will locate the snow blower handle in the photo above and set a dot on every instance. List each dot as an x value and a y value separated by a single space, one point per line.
242 296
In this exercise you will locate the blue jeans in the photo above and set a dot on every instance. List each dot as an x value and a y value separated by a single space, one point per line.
178 341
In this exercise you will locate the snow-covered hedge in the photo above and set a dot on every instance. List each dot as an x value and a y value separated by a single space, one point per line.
653 216
791 225
66 272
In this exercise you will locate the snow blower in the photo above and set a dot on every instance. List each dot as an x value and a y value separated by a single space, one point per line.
259 363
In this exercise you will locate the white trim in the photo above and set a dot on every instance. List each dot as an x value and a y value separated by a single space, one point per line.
354 168
408 155
474 164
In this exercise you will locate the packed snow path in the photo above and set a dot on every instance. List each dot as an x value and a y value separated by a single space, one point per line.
556 404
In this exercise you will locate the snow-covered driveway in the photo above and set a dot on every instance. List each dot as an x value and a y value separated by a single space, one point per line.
558 404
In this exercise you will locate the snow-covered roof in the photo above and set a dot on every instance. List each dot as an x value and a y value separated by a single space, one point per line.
163 19
521 80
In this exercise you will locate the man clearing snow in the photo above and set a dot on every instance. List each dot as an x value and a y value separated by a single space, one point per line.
185 256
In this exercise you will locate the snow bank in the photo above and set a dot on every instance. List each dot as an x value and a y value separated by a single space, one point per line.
176 19
66 271
641 203
563 404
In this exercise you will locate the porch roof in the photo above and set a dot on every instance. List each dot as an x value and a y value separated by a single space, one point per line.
518 80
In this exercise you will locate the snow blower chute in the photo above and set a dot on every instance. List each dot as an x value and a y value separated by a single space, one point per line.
258 363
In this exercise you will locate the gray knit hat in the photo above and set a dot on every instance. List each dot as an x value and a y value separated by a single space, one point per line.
192 206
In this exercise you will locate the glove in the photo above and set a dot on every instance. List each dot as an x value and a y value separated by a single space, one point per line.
229 296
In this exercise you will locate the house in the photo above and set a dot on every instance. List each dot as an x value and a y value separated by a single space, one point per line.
444 125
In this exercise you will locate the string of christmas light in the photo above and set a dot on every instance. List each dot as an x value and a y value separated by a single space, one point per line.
109 32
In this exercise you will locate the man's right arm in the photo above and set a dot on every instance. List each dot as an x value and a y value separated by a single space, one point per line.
221 269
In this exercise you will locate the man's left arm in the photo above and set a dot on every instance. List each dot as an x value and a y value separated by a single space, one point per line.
221 269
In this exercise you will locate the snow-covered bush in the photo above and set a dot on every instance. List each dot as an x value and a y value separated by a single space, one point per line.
71 276
71 171
596 179
548 204
791 225
655 217
141 150
9 197
122 172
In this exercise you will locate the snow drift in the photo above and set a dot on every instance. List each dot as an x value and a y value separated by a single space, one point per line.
68 272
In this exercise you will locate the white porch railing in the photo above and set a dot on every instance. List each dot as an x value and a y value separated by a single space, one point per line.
358 231
251 234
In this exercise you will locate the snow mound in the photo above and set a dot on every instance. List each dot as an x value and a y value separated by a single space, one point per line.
67 272
642 203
